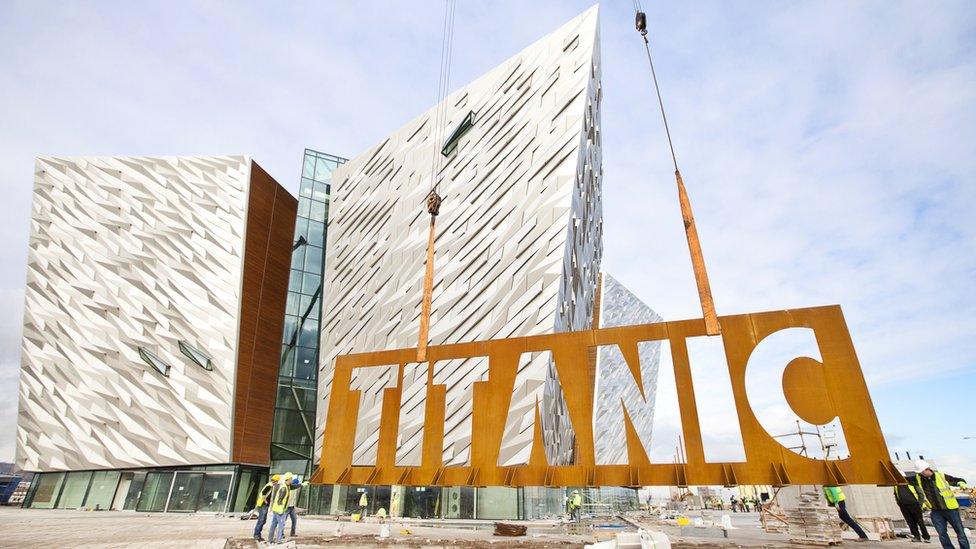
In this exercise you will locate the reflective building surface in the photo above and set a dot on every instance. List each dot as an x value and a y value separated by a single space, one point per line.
294 421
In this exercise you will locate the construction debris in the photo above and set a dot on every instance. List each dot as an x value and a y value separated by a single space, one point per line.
512 530
812 522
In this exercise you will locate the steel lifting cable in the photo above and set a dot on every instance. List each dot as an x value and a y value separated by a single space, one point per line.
436 165
641 22
443 88
712 326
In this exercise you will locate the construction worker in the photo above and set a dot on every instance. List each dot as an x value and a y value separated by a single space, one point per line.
936 487
261 505
575 505
279 504
294 491
835 497
734 502
911 502
363 505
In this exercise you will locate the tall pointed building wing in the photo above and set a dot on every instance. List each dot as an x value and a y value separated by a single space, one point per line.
519 240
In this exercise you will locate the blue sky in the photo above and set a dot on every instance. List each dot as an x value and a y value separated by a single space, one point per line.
829 147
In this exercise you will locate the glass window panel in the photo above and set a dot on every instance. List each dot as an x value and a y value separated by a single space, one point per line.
304 206
310 334
313 259
283 451
230 468
286 399
316 233
310 398
308 167
497 503
298 258
306 188
287 361
248 484
311 283
306 383
301 227
186 489
317 211
306 363
46 492
135 490
323 169
295 280
196 355
102 490
154 361
75 486
320 191
304 302
420 501
293 306
289 428
154 492
306 398
291 322
213 495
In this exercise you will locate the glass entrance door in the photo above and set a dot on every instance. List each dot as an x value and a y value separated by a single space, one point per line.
213 496
152 495
186 491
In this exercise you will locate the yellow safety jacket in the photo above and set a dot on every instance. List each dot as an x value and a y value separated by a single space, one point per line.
262 495
575 502
279 499
834 494
363 502
944 488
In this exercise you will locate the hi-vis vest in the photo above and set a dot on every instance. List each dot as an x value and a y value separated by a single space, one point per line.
834 494
279 499
260 501
942 485
363 502
576 501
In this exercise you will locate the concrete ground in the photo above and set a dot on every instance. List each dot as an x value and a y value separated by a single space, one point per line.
104 529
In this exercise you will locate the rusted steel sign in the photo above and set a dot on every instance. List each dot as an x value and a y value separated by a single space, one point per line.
817 391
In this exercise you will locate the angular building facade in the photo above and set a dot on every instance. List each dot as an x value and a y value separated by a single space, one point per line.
155 302
518 236
516 155
616 389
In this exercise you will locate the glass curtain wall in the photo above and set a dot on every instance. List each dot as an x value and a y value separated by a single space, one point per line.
293 434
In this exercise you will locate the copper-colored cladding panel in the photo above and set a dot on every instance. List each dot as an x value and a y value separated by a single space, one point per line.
817 392
270 228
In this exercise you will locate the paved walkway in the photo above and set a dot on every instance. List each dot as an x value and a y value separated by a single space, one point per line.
105 529
109 529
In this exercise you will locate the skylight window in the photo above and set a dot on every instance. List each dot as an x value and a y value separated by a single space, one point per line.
197 356
452 142
154 361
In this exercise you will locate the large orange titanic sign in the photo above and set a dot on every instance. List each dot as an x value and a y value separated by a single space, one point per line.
367 442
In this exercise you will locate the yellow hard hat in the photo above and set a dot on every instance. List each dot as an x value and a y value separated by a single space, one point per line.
275 478
288 476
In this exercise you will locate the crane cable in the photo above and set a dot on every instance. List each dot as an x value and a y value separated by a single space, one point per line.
712 326
436 165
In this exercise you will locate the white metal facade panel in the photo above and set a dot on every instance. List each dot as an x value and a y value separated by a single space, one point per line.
127 253
519 236
616 387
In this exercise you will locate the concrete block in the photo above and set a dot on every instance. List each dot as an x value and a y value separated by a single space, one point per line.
704 532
